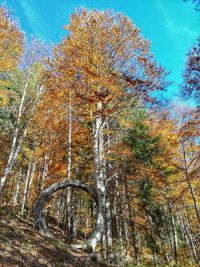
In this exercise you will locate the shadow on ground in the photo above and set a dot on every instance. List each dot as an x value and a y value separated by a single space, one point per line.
22 246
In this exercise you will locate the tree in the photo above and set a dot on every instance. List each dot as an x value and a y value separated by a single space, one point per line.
191 85
29 86
104 62
11 48
11 45
86 118
196 4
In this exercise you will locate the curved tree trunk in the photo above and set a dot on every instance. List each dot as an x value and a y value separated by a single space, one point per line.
39 219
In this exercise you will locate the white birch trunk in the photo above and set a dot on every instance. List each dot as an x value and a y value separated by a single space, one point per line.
26 188
192 192
189 230
68 192
96 236
70 139
28 184
185 234
13 150
18 140
46 166
19 182
175 239
108 223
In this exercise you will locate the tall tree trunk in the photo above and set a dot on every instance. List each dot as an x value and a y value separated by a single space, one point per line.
185 235
28 183
18 140
69 139
42 174
26 188
189 229
168 232
13 149
175 241
68 192
96 236
196 208
155 258
108 227
131 222
19 182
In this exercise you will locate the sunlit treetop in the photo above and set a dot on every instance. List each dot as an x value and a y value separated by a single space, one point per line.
11 41
105 57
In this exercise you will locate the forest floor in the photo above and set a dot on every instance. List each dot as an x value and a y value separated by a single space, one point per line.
22 246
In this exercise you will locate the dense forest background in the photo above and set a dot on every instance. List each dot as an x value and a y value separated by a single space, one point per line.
91 113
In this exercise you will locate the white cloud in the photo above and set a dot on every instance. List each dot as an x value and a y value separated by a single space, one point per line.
172 26
32 15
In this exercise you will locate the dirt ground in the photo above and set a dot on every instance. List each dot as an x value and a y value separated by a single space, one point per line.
22 246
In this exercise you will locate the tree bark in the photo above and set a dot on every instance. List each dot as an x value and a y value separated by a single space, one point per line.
185 235
131 220
14 146
19 182
18 139
68 193
96 236
175 241
99 196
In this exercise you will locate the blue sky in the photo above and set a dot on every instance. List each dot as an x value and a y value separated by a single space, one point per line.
172 26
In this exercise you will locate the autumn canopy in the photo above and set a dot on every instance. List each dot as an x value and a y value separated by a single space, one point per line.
91 149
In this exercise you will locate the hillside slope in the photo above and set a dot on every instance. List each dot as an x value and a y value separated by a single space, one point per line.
21 245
